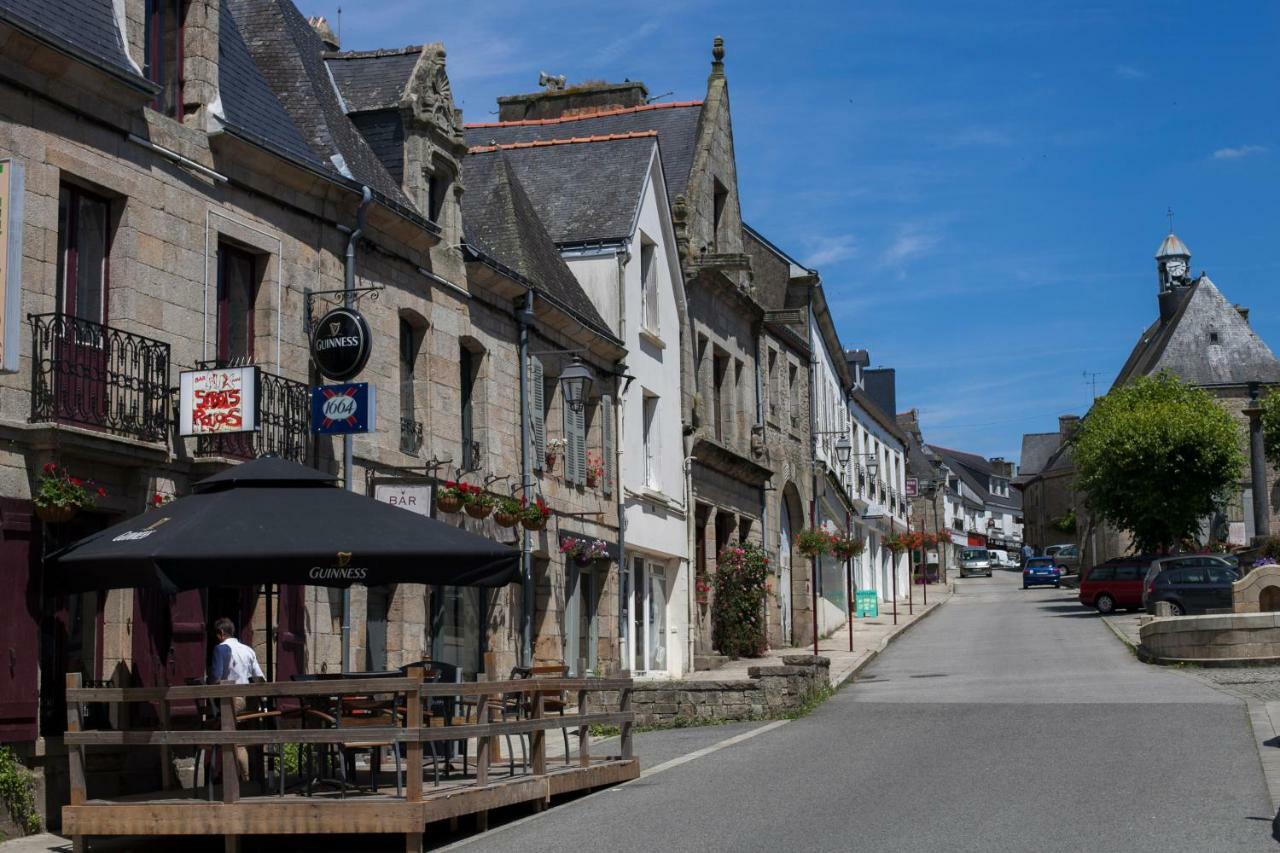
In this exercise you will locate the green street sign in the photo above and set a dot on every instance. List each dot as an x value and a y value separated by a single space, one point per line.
866 603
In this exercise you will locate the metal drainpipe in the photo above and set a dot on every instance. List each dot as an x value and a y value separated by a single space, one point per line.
524 316
813 467
623 257
348 297
764 437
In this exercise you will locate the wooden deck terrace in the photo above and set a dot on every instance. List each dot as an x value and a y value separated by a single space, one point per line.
408 722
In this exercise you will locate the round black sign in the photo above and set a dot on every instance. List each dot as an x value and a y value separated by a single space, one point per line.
340 343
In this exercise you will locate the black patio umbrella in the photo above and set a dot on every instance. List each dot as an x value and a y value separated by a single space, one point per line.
274 521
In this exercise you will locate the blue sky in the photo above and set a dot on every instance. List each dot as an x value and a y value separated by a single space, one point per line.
982 185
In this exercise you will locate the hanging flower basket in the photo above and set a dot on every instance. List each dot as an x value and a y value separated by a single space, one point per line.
55 514
847 547
535 515
814 543
59 495
451 497
506 513
476 502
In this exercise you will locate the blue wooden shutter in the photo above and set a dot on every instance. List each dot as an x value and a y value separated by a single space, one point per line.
607 442
537 412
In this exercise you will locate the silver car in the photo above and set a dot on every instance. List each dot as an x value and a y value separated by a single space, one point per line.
975 561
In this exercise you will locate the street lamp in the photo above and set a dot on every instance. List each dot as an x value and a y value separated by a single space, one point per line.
844 447
576 383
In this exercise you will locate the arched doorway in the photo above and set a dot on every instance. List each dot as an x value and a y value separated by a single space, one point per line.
791 509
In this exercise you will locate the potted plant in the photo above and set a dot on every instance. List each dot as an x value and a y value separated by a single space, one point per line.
555 447
506 512
847 547
592 551
595 469
477 502
451 496
814 543
535 515
59 495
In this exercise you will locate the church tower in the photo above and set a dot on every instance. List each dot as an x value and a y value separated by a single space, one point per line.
1173 263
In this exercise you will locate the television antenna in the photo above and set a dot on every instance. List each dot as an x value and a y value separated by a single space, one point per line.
1091 379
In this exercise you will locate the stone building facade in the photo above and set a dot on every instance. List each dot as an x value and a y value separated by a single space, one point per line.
196 213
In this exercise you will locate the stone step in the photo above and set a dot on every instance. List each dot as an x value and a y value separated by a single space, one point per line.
706 662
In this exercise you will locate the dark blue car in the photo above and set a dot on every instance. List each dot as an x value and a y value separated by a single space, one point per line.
1040 571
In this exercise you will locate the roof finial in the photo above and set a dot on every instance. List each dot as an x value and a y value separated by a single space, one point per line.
717 55
1169 213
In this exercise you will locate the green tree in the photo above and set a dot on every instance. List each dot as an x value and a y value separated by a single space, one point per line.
1156 456
1271 425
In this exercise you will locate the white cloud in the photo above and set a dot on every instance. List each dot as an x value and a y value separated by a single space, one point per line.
830 250
1238 152
911 243
1129 72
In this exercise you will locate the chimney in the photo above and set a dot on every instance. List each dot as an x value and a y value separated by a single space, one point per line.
322 28
1244 313
1067 425
578 99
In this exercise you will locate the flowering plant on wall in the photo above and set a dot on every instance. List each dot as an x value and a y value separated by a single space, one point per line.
476 501
571 546
507 511
158 500
59 494
451 496
595 469
738 618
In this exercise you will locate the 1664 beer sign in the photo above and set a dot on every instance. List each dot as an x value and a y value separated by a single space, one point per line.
218 400
342 409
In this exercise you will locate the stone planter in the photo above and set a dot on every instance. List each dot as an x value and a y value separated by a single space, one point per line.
55 514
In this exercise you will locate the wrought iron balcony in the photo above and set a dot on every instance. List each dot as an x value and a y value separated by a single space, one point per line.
284 417
90 375
410 436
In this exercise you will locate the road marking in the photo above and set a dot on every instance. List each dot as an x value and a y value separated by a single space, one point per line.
644 774
699 753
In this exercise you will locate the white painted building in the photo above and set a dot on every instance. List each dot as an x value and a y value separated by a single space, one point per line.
604 202
882 502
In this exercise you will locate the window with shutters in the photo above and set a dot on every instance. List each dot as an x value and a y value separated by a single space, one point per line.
649 277
575 444
650 434
537 412
469 374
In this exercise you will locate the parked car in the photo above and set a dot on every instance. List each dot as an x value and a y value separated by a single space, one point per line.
1066 557
1196 589
1183 561
1115 584
975 561
1041 571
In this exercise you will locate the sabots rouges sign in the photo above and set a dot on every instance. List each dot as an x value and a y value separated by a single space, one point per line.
340 343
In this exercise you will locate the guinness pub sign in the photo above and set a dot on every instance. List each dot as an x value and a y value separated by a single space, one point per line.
340 343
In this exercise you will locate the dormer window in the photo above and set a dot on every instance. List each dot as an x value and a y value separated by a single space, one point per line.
164 55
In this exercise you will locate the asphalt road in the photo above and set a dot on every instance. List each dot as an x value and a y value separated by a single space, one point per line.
1009 720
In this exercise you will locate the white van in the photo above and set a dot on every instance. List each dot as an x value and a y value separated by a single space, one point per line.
1001 559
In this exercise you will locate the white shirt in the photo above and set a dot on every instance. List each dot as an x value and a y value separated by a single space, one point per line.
235 662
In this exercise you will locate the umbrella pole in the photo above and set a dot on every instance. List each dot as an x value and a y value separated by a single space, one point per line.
346 590
271 650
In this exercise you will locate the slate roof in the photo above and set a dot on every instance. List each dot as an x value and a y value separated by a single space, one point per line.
676 125
372 79
289 54
249 107
86 28
501 222
976 472
585 191
1037 448
1182 344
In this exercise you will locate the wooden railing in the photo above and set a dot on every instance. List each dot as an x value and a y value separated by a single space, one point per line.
412 697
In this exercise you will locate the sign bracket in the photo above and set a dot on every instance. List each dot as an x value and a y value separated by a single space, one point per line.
337 299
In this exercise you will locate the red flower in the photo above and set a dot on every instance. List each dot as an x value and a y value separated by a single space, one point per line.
76 481
49 468
102 493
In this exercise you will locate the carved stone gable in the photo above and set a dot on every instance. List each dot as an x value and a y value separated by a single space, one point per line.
428 97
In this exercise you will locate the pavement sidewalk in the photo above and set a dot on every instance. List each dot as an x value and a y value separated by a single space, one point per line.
870 637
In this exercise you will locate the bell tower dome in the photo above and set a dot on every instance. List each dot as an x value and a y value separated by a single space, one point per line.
1173 263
